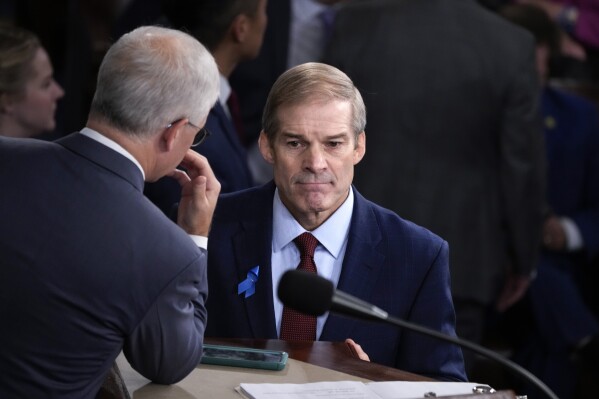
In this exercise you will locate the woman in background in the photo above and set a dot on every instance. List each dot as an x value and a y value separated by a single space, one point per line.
28 91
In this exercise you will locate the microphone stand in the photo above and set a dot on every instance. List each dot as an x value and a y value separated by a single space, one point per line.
513 367
325 297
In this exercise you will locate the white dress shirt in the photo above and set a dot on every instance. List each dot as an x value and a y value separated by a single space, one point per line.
225 92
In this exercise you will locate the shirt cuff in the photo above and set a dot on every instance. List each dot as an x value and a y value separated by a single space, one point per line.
200 241
574 239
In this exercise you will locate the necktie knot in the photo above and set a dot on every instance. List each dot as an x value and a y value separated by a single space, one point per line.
306 243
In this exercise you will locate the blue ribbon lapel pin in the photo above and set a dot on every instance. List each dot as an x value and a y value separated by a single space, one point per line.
248 286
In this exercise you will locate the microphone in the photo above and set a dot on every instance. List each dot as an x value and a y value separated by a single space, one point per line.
324 297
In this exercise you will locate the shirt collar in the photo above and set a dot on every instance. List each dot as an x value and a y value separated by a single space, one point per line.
332 234
94 135
225 90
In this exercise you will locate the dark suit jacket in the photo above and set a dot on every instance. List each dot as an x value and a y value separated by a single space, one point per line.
389 262
557 303
572 137
89 267
227 156
454 139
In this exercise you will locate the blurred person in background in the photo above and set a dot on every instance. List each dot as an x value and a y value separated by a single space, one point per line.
451 92
563 339
28 91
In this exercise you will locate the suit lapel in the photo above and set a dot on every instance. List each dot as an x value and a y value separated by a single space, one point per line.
362 264
228 128
252 246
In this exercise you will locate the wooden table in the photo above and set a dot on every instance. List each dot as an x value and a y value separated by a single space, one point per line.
331 355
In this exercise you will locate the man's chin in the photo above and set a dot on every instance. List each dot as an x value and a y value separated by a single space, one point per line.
315 202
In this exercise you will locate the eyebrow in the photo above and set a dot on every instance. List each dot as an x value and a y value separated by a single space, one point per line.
300 136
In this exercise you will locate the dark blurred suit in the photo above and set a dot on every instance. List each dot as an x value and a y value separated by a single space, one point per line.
561 317
572 137
225 153
453 137
88 269
389 262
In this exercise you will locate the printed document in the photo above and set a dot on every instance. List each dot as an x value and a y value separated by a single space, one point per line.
358 390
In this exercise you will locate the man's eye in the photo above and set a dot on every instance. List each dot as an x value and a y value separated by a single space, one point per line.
334 144
293 143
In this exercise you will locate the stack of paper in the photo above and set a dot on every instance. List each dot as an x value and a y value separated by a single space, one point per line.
359 390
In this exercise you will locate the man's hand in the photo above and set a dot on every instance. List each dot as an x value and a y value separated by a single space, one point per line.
356 350
199 193
554 236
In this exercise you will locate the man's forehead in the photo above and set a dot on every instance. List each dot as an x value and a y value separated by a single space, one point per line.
313 100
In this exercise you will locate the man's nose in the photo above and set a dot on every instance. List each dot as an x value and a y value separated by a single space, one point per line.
315 158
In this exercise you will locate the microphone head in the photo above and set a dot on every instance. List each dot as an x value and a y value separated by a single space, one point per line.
306 292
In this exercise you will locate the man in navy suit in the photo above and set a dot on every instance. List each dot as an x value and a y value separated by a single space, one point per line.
313 135
89 266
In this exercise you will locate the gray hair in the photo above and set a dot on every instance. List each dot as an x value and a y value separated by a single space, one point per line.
312 81
153 76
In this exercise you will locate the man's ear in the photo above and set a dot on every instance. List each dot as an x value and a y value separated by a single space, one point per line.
240 28
360 149
171 134
265 148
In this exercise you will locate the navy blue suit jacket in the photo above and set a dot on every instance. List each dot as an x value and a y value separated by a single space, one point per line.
572 142
392 263
557 297
227 157
90 267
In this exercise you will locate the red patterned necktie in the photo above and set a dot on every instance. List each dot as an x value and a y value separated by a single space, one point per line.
296 326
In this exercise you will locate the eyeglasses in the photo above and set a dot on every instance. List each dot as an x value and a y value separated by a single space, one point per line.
201 135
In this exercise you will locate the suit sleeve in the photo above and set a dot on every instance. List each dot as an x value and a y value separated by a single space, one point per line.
167 344
433 308
522 169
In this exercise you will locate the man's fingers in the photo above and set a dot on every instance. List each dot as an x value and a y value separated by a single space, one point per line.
181 177
356 350
197 187
196 164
